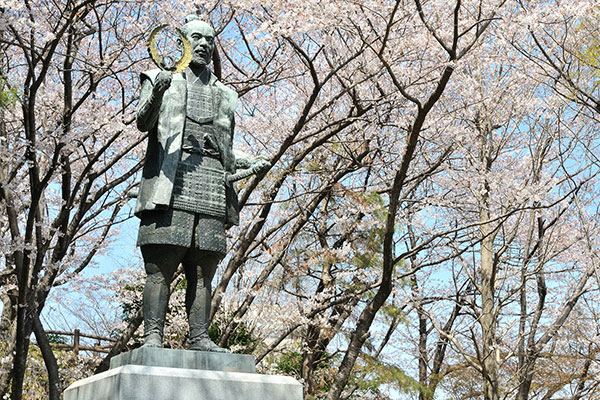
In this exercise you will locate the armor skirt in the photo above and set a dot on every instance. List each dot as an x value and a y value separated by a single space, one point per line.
188 221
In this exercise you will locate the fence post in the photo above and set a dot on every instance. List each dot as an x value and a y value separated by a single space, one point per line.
76 341
97 345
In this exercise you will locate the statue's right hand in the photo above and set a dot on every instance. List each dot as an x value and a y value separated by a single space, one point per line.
162 82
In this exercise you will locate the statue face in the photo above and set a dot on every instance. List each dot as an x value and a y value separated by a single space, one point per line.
202 39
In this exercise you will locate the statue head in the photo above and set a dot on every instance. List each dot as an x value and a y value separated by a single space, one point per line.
202 38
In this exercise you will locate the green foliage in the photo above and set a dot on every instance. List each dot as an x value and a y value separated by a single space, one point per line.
241 340
289 363
134 303
393 311
36 380
182 285
589 53
8 95
370 242
372 239
372 374
314 166
57 339
585 68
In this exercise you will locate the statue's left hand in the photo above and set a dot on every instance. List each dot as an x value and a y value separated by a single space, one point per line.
252 166
261 163
163 81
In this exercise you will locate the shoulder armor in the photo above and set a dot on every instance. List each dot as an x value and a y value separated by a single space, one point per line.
228 95
151 75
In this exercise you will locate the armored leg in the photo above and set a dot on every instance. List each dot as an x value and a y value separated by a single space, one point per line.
161 262
200 267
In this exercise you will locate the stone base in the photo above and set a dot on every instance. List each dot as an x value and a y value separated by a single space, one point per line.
136 382
188 359
165 374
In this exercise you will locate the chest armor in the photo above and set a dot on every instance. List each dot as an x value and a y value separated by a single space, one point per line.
201 109
199 184
202 102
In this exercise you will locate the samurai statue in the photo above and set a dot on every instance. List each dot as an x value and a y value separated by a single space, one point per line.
185 201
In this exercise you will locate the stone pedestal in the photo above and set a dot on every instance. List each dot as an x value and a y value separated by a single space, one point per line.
165 374
187 359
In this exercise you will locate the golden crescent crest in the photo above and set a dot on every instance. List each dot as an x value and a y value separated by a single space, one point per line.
186 54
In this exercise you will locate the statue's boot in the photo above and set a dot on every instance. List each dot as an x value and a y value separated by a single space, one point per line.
200 341
198 314
160 262
156 300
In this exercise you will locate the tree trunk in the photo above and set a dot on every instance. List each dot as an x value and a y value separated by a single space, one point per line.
422 349
490 353
359 336
21 350
308 358
54 388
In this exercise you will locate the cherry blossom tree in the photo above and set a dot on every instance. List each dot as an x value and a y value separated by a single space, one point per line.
520 176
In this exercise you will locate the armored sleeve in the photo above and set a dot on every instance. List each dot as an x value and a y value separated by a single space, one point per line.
148 106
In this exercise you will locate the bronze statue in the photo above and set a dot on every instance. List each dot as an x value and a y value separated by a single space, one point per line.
186 196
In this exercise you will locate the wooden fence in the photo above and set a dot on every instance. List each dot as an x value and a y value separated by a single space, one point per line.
76 345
